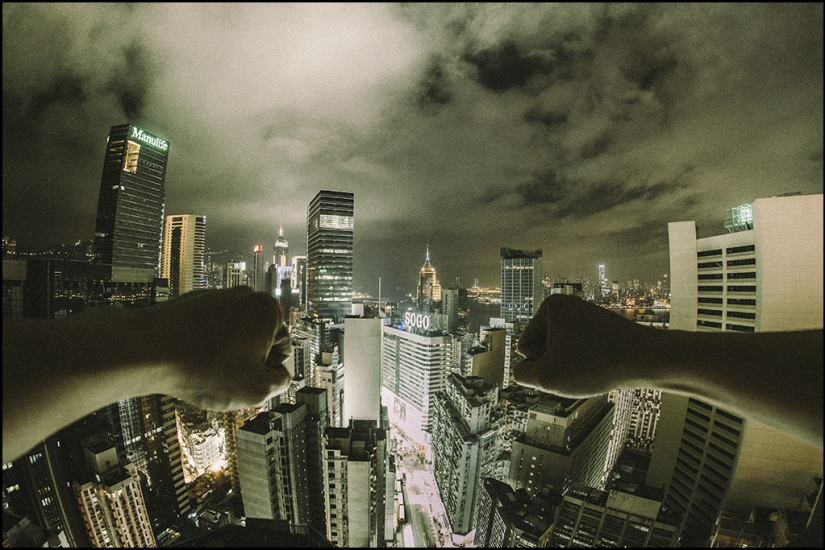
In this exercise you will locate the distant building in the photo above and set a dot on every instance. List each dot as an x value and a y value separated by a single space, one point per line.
428 291
521 287
184 249
258 269
234 274
131 200
330 226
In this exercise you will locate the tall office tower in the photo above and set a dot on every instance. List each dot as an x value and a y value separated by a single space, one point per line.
112 504
317 420
184 249
644 419
281 250
764 274
603 289
258 269
272 458
512 519
362 359
415 365
589 517
565 442
521 288
234 274
131 200
330 225
426 285
354 473
587 290
464 441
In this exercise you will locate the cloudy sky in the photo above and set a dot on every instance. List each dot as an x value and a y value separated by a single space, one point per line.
580 129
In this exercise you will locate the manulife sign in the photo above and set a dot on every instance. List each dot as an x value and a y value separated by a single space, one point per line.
137 133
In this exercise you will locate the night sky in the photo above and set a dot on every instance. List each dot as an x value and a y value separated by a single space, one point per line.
580 129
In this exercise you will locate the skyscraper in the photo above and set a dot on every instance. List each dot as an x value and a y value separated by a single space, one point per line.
428 290
330 225
258 270
763 274
521 287
281 250
131 200
184 249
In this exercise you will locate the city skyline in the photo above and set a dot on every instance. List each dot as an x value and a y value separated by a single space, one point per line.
581 130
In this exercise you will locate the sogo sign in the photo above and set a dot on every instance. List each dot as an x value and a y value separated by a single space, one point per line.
418 320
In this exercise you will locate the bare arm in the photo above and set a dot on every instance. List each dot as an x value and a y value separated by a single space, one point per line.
576 349
210 348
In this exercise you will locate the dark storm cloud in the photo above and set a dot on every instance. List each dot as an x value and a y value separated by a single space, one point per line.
503 66
576 128
131 79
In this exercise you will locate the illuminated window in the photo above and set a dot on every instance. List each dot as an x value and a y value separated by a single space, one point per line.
130 161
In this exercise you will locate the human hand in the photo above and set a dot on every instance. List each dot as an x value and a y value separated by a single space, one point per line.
575 349
226 348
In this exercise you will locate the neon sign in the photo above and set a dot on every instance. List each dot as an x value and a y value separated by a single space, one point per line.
151 140
418 320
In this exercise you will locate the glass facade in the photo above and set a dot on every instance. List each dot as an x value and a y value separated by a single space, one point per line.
131 201
521 288
329 255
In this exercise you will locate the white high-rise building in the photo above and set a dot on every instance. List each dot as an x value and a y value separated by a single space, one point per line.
184 251
362 359
416 361
764 273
